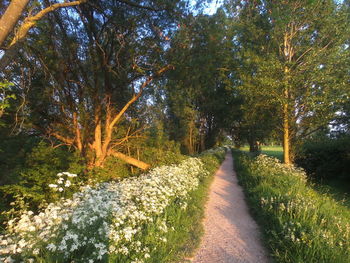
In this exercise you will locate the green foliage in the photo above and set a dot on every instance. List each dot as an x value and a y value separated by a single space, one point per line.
299 224
293 64
168 154
199 97
5 95
157 149
326 158
14 150
30 185
113 169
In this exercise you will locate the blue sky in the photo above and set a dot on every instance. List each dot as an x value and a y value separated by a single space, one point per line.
213 6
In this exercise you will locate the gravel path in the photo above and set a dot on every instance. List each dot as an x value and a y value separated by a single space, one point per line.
231 235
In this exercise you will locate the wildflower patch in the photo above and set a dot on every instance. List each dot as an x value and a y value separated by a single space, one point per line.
300 224
113 222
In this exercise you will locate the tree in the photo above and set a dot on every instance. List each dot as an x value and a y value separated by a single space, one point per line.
198 96
293 53
11 17
88 67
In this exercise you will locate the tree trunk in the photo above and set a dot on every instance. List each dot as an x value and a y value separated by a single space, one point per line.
288 51
101 144
10 18
130 160
253 145
286 136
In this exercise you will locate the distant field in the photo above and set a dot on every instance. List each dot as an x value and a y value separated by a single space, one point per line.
274 151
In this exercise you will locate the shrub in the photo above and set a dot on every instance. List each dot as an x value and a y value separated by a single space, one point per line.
13 153
326 158
42 164
113 169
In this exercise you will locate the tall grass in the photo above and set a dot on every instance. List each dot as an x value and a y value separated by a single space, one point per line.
299 223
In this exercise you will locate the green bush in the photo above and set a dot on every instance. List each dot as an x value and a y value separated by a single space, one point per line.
40 168
299 224
168 153
326 158
13 153
113 169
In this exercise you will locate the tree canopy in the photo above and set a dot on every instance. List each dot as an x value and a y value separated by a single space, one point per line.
99 76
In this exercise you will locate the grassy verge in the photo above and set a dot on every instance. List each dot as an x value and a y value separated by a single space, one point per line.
299 223
273 151
337 188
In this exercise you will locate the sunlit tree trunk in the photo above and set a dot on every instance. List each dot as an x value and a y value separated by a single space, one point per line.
286 137
288 52
11 17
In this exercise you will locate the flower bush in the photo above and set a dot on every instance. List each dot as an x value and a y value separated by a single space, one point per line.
300 224
112 222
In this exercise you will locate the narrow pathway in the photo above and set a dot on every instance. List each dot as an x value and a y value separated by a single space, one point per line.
231 235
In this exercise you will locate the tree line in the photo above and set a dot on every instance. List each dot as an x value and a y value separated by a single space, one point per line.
99 77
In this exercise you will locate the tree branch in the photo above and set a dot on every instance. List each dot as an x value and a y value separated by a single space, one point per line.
137 95
130 160
11 17
29 22
66 140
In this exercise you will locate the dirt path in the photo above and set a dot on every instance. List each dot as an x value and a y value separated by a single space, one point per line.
231 235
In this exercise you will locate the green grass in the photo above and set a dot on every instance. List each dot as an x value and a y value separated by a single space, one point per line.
273 151
299 223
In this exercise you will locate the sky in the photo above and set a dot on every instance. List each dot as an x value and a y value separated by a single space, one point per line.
213 6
